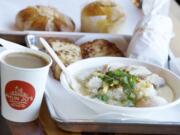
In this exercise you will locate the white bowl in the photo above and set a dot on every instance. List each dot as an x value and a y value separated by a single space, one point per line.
172 80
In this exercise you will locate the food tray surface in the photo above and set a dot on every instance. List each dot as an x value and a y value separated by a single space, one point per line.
80 125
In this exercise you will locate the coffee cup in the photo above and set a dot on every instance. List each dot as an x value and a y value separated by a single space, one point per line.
23 77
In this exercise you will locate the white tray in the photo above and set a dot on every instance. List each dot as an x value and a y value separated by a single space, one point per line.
66 106
72 115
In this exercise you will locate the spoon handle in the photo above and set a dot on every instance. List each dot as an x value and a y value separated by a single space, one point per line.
53 54
71 81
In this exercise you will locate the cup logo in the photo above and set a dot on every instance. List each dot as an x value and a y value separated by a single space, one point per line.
19 94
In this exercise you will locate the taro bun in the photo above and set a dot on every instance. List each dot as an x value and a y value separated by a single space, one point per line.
43 18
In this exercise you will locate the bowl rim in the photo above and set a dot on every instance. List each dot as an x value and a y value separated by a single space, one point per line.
153 108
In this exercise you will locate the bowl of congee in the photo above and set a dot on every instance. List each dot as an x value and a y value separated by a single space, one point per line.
124 85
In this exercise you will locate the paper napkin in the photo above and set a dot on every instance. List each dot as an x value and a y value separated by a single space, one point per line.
152 36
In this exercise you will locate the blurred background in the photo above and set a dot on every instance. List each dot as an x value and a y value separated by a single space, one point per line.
175 15
178 2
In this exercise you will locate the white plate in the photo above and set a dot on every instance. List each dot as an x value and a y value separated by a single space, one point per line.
72 8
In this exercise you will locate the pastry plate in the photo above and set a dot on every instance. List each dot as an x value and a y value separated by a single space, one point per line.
71 8
72 115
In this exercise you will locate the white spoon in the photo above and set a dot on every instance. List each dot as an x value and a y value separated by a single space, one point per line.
70 79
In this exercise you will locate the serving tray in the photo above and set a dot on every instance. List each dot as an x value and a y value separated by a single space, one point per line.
73 116
124 126
113 127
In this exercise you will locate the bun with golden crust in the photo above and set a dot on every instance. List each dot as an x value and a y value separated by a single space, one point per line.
67 52
99 47
43 18
103 16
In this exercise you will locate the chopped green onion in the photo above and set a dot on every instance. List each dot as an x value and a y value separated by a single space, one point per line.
117 78
102 97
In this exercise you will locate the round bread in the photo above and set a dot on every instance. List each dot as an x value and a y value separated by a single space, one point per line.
137 3
67 52
103 16
43 18
99 47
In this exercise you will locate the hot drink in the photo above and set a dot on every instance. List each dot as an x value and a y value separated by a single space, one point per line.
25 60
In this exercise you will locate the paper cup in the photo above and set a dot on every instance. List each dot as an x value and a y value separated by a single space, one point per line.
22 89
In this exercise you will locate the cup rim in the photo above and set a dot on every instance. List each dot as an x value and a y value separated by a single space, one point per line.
27 50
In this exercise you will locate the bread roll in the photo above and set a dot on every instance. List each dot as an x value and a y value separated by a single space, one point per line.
99 47
137 3
67 52
43 18
102 16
